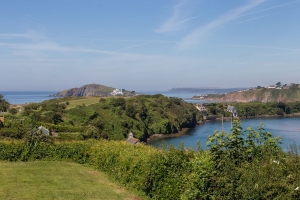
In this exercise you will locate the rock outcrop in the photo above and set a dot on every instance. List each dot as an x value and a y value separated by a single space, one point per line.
86 90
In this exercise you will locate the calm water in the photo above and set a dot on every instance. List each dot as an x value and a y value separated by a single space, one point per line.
26 97
186 96
287 128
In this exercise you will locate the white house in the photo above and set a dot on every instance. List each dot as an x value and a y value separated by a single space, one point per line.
117 91
233 110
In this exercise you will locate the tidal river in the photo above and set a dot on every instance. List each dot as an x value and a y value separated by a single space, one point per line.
287 128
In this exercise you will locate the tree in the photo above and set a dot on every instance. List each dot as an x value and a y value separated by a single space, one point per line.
278 84
130 110
13 111
238 148
4 105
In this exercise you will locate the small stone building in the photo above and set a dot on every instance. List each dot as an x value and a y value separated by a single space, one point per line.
132 140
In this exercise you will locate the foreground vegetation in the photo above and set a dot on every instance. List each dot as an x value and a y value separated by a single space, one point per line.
239 165
57 180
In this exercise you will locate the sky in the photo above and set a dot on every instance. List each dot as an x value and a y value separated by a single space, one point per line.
148 45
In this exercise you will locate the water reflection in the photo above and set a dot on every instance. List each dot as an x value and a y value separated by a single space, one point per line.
287 128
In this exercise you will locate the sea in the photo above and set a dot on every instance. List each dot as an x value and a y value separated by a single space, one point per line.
287 128
15 97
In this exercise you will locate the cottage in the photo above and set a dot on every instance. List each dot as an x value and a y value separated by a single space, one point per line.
233 110
202 109
132 140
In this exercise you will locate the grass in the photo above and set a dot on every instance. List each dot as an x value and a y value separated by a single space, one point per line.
86 101
57 180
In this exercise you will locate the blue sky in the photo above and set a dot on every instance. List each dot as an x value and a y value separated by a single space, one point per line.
148 45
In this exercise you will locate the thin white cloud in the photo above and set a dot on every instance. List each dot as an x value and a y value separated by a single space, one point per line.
176 20
262 47
200 33
133 46
146 43
49 46
126 40
255 18
271 8
30 35
185 20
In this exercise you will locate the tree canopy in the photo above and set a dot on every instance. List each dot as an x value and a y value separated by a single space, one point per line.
4 105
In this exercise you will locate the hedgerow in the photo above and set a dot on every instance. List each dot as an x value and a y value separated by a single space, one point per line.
235 167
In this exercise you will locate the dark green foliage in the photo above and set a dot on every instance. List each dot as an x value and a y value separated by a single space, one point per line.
14 133
254 108
4 105
13 111
233 151
143 115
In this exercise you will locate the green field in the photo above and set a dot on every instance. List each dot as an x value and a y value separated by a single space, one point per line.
57 180
79 102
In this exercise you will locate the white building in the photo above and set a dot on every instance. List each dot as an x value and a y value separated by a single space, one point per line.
233 110
117 91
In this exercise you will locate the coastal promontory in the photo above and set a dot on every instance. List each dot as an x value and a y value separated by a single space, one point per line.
86 90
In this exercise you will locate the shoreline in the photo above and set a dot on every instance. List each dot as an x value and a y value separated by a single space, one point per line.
181 133
184 131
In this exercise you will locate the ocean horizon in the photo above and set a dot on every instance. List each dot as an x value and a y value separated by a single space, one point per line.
22 97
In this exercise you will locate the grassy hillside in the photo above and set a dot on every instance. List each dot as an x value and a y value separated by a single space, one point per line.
259 94
57 180
86 90
290 94
109 118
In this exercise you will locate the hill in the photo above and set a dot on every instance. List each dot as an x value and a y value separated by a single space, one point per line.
86 90
282 94
108 117
206 90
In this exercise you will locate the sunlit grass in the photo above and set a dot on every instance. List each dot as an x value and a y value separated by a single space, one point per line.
86 101
56 180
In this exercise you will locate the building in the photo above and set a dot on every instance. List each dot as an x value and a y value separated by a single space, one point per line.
117 92
202 109
132 140
233 110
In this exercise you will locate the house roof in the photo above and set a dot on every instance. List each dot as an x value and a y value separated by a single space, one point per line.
230 107
132 140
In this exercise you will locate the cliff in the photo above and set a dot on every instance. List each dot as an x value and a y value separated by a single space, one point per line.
260 95
207 90
86 90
